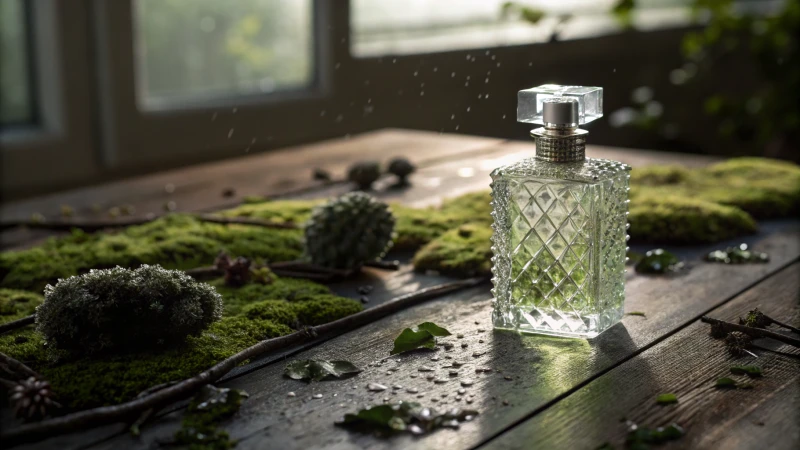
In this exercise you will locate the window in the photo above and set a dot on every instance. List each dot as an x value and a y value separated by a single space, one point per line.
421 26
16 90
199 50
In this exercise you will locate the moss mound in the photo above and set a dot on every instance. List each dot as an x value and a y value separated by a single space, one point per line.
681 220
108 379
764 188
464 251
175 242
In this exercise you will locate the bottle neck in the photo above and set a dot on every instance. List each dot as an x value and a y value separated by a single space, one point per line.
560 143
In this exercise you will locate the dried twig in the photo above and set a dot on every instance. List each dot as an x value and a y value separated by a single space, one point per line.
752 332
101 224
19 323
133 409
18 367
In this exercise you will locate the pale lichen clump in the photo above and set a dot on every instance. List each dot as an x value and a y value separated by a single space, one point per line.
122 309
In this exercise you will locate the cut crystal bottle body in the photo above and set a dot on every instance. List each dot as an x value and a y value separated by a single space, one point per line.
559 243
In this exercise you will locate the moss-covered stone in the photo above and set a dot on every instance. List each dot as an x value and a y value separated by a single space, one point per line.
175 242
764 188
277 311
324 309
289 289
464 251
681 220
418 226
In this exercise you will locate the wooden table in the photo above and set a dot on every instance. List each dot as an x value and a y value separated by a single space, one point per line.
543 392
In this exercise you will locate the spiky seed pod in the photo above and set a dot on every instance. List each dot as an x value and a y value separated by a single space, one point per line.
236 270
738 342
755 319
349 231
32 399
363 174
401 168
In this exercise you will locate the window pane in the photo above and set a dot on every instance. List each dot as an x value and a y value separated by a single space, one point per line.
380 27
16 105
192 50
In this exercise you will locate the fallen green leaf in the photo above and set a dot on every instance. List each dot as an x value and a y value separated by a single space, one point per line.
405 416
752 371
666 399
421 336
726 383
638 437
433 329
316 370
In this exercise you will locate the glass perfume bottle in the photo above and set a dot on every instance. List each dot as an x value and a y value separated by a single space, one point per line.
560 223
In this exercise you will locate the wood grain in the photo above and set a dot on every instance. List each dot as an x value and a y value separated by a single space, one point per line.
686 364
541 369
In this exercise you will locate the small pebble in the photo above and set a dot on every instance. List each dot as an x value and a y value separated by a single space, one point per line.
444 394
464 345
458 363
412 390
385 399
482 369
420 395
397 386
375 387
440 380
470 400
462 391
448 345
478 353
467 382
505 402
364 299
458 397
316 396
291 394
435 358
460 335
481 330
430 376
453 373
477 323
413 375
434 399
508 377
365 290
426 369
480 341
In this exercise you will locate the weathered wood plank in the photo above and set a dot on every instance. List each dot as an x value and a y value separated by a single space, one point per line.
541 368
686 364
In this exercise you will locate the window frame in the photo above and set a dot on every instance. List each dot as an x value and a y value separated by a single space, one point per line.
58 147
139 138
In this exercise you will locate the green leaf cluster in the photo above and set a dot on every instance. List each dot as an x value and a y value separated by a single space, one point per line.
318 370
405 416
422 336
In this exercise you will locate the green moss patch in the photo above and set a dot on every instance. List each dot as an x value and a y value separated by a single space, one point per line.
464 251
175 242
253 312
680 220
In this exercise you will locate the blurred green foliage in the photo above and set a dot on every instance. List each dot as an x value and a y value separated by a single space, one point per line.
767 115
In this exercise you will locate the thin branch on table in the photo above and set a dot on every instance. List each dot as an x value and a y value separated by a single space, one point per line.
101 224
18 366
19 323
133 409
750 331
